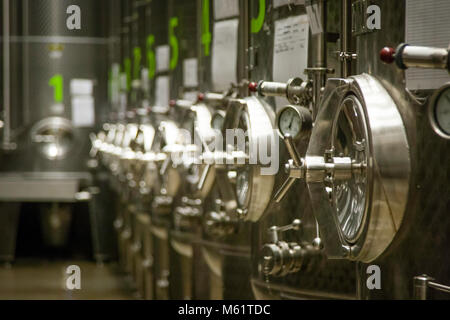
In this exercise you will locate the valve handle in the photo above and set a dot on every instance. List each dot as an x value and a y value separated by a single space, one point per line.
408 56
275 230
289 142
203 177
281 193
295 90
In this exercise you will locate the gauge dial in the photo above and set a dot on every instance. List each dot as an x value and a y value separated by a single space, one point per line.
295 121
442 111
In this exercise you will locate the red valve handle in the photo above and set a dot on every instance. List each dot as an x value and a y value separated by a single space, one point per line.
253 87
387 55
201 97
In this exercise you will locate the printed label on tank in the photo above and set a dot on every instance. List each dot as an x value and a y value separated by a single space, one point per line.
162 93
226 9
224 59
83 106
162 58
83 111
290 50
427 25
81 87
190 76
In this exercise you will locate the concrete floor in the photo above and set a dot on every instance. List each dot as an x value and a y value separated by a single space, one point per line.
46 280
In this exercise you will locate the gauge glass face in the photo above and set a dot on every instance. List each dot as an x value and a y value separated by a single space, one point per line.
217 121
242 187
349 196
442 111
290 122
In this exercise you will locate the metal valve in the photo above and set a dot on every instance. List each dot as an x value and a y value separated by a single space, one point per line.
317 169
96 144
280 258
211 98
407 56
274 231
191 208
295 90
181 104
219 223
220 159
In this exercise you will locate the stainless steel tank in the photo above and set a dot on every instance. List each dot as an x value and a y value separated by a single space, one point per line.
317 278
185 235
372 216
56 94
226 241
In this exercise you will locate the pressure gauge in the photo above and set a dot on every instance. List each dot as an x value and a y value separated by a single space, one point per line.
295 121
217 120
439 111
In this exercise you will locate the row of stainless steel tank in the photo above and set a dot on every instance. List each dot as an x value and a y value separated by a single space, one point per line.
193 148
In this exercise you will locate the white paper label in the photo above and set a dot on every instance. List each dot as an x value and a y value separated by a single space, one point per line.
162 86
83 111
81 87
190 72
224 54
427 25
315 19
226 9
290 50
162 58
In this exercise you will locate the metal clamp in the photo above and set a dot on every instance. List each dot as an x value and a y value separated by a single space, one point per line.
316 169
347 56
295 90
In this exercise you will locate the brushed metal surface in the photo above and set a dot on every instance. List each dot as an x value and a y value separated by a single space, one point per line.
329 279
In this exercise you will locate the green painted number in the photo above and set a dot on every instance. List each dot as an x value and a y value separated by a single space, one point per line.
173 23
151 60
57 82
137 55
258 22
206 34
